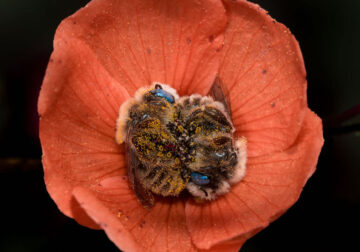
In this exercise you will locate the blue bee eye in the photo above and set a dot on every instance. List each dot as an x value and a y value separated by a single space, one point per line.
162 93
200 179
220 154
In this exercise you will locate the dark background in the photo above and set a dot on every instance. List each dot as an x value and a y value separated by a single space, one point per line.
325 218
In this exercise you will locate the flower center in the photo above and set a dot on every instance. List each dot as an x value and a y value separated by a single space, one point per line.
177 143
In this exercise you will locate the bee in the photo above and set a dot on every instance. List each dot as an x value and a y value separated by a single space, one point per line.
177 143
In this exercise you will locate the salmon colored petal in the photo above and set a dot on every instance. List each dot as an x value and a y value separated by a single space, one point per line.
114 206
271 185
139 42
229 246
263 69
106 220
232 245
101 54
78 106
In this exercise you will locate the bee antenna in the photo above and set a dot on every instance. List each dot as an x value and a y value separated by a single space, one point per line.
158 86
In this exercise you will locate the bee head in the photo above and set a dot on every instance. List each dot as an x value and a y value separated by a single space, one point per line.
207 186
214 169
207 182
159 92
200 179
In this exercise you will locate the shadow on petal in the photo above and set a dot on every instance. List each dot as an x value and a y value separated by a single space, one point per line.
80 215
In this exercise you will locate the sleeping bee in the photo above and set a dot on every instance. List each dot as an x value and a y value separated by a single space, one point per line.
174 143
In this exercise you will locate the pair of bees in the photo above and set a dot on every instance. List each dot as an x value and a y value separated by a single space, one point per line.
175 143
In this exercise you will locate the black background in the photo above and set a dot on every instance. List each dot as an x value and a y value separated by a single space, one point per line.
325 218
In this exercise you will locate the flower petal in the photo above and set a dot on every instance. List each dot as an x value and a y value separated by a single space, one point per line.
101 53
106 220
113 206
232 245
263 69
229 246
272 184
113 203
78 106
140 42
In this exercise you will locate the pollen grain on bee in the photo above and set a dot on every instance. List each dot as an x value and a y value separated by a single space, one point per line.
177 143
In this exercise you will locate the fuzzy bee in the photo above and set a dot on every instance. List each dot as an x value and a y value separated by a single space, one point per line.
174 143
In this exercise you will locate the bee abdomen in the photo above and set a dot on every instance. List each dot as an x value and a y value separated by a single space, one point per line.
160 181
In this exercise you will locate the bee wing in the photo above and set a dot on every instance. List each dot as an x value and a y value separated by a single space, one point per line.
145 197
220 93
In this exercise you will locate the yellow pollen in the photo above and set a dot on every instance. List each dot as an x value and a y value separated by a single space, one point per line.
197 130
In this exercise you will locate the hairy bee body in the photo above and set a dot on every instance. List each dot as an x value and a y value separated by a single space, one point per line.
176 143
155 146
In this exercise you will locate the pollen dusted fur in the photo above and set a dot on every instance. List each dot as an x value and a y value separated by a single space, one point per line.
176 142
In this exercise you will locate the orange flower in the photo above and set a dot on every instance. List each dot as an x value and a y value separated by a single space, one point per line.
110 48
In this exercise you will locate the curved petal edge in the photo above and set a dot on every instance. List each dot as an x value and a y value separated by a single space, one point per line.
273 183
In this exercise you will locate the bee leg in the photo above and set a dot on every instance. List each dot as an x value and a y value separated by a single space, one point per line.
205 192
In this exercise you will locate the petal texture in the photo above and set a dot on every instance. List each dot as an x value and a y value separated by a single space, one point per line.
113 206
102 54
78 108
107 50
272 184
263 69
163 228
139 42
106 220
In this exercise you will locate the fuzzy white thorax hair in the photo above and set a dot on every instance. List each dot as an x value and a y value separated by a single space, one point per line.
240 168
210 193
